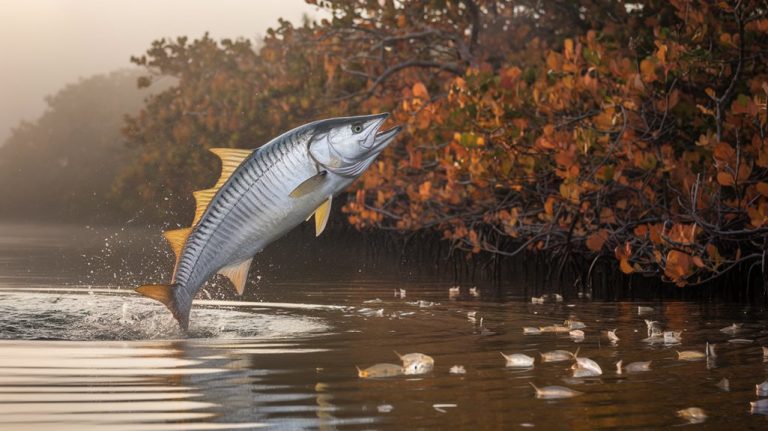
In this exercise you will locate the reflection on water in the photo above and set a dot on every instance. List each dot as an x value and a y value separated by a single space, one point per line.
77 356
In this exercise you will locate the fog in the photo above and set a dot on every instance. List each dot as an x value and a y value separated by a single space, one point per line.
46 44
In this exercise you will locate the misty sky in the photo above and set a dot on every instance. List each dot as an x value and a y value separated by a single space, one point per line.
46 44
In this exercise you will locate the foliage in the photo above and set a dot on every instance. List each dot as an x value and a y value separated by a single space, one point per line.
630 130
62 165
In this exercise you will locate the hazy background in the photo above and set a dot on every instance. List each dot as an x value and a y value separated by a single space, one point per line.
46 44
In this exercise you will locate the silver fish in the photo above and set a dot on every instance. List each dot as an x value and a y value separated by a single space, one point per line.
416 363
554 392
762 389
557 356
261 195
518 360
693 415
633 367
379 371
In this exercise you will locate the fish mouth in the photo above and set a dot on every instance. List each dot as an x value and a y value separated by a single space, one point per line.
384 138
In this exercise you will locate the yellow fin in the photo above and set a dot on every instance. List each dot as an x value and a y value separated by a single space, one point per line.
176 238
237 274
165 294
309 185
321 216
202 199
230 160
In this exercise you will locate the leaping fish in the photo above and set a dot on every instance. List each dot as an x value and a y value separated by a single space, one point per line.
261 195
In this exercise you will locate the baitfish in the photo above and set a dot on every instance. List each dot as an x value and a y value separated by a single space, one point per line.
416 363
693 415
261 195
380 371
633 367
557 356
518 360
554 392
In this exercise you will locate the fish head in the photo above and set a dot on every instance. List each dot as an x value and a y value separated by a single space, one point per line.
347 146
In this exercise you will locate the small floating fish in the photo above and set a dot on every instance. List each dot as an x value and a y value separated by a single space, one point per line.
759 406
558 329
724 384
612 336
518 360
654 328
457 369
672 337
732 329
558 297
453 291
691 355
379 371
472 316
574 324
539 300
474 292
741 341
531 330
416 363
711 351
693 415
577 335
554 392
644 310
762 389
400 293
585 367
557 356
634 367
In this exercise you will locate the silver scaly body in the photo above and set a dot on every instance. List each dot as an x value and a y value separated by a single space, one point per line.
258 203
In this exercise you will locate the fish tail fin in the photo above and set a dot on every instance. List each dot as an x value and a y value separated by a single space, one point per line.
166 293
576 353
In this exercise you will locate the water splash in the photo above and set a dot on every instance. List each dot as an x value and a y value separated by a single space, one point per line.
83 314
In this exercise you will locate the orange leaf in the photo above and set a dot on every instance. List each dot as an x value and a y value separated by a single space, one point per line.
762 188
625 267
725 179
420 91
596 241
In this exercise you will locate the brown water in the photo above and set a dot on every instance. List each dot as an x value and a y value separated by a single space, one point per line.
79 350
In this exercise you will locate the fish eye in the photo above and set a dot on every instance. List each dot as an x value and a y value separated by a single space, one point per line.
357 128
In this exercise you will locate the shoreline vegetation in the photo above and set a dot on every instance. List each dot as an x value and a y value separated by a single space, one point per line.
611 140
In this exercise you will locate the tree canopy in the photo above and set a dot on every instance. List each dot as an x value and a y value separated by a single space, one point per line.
634 130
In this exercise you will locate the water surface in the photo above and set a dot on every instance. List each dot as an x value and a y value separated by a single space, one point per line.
79 350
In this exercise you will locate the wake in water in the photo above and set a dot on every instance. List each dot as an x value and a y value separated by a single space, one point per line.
80 314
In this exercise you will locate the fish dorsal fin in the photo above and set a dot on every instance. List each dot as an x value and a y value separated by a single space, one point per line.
237 274
321 215
309 185
202 199
176 238
230 160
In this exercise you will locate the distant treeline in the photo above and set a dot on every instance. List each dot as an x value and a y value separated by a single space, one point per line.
63 165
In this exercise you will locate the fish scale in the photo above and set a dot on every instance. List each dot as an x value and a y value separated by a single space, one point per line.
261 195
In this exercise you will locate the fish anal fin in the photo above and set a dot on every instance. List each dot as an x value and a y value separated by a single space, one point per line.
321 215
237 274
231 158
176 238
202 199
309 185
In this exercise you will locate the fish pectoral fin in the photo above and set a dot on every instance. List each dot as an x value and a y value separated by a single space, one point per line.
321 215
237 274
309 185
